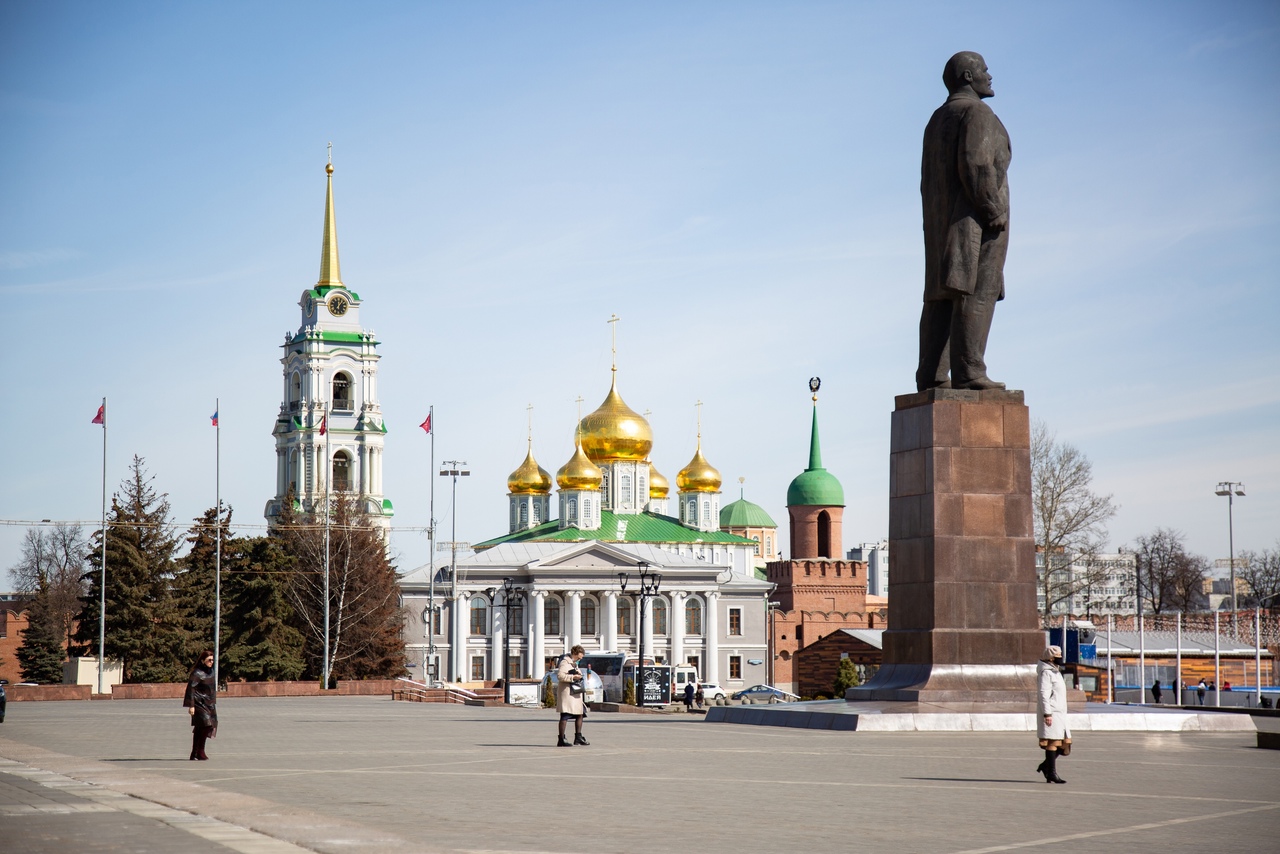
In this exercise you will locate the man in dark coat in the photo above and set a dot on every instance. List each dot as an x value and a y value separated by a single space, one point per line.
965 198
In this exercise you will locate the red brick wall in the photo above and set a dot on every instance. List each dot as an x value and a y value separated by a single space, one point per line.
817 664
13 622
23 693
804 531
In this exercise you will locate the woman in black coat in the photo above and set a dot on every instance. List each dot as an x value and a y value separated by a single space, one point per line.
201 701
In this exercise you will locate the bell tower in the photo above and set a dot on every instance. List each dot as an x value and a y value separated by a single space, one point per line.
329 432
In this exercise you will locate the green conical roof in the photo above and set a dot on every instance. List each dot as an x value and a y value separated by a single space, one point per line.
815 486
743 514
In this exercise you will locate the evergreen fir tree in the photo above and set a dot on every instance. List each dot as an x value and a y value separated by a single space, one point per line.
143 626
194 586
846 678
41 654
259 639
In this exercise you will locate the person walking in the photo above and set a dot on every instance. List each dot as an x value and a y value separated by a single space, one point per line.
1200 689
1051 708
699 696
1156 692
201 702
688 697
569 690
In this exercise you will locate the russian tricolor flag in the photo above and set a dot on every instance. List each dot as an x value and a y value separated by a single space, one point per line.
214 418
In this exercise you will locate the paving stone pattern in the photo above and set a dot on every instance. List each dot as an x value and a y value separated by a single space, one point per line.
365 774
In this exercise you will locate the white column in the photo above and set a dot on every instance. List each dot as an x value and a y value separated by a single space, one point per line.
537 627
574 620
610 620
646 627
675 625
713 638
497 630
461 617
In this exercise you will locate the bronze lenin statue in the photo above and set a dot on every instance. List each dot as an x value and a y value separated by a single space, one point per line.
965 196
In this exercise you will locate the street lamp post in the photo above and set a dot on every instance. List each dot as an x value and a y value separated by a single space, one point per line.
1231 489
649 583
453 469
509 588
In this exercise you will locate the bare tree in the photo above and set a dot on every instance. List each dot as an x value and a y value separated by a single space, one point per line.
365 618
52 566
1070 519
1169 577
1261 571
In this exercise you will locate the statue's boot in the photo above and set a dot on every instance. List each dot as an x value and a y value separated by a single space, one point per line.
981 383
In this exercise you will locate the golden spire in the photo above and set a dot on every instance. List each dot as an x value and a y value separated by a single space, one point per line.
330 270
699 475
529 478
579 473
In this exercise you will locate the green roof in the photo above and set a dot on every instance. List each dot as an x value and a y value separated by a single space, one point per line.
815 486
319 292
387 509
639 528
743 514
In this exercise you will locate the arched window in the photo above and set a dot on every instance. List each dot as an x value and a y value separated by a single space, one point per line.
768 546
537 513
551 617
586 513
515 618
624 616
691 514
706 510
479 617
626 487
659 616
573 510
588 616
342 392
295 391
693 617
341 472
824 534
524 513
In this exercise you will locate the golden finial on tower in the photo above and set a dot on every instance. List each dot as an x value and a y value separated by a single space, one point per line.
698 406
329 166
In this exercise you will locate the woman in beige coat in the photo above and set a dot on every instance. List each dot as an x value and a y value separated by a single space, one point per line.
569 704
1051 708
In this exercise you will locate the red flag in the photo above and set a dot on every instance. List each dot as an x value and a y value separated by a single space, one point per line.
323 426
426 425
101 417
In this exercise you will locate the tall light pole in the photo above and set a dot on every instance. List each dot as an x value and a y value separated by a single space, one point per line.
771 606
649 583
1231 489
453 469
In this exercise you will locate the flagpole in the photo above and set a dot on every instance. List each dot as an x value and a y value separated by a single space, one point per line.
328 473
217 559
102 587
431 545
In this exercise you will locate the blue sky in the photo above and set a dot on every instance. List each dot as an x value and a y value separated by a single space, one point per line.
737 181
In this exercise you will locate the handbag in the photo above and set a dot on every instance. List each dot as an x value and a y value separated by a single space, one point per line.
1065 749
577 689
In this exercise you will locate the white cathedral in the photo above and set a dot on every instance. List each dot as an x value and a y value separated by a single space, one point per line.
329 433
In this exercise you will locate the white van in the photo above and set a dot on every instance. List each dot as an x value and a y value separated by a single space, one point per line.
681 675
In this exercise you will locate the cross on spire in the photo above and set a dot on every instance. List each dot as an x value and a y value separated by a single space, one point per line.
613 334
529 408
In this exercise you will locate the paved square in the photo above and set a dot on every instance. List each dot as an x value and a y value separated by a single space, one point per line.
368 774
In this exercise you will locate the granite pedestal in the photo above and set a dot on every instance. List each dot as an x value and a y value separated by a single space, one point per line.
963 624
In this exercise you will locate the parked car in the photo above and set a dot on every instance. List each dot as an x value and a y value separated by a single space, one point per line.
711 691
764 694
3 701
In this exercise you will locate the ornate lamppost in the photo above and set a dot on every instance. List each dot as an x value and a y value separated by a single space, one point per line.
509 588
1231 489
649 583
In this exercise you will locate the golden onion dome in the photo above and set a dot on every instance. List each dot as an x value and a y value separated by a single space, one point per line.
699 475
658 486
615 431
530 478
579 473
